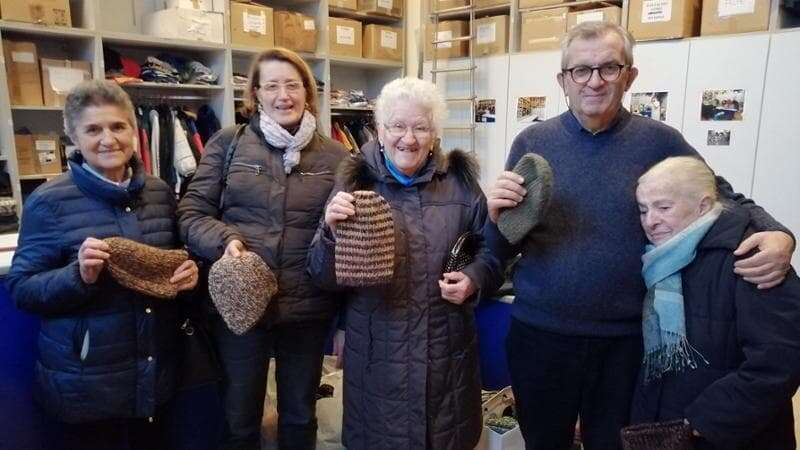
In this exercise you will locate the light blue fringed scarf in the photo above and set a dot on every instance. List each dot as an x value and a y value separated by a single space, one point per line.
666 347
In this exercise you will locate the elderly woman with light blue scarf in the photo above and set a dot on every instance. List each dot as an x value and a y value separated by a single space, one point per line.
719 353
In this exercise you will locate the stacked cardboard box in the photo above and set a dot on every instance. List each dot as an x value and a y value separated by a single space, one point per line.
45 12
611 14
448 29
295 31
345 37
383 42
38 154
491 35
543 30
346 4
726 16
392 8
252 25
185 23
22 71
487 3
59 76
538 3
439 5
663 19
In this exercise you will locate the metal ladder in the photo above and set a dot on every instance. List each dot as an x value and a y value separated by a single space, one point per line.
470 127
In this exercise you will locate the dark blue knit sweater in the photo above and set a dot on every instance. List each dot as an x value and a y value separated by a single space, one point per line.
580 272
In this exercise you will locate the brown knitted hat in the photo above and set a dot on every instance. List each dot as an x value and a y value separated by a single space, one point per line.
365 243
672 435
241 288
143 268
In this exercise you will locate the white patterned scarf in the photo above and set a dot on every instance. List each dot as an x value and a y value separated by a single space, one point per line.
279 137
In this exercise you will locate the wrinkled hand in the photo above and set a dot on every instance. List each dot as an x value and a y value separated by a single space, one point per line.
769 266
92 257
456 287
186 276
338 348
235 248
507 192
339 208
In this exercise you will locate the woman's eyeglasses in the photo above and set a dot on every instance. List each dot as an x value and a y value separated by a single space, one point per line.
399 130
291 87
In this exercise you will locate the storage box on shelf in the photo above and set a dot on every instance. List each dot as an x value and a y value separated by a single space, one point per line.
538 3
344 37
726 17
252 25
392 8
447 29
44 12
295 31
543 30
611 14
180 23
383 42
649 19
59 76
38 154
345 4
22 71
491 35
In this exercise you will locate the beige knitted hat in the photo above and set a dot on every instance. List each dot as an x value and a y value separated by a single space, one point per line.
241 288
365 243
143 268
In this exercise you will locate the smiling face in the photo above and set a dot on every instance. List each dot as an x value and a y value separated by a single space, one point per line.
106 139
665 210
596 102
281 93
409 151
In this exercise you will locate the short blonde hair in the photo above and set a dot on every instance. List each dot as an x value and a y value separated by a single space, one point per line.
588 31
287 56
686 174
414 90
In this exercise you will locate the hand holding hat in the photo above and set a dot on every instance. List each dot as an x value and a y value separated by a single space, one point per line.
145 269
515 223
241 288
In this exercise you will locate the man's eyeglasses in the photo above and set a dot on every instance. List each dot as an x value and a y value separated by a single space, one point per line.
291 87
582 74
399 130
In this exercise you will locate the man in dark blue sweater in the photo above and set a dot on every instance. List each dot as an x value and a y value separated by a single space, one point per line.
574 346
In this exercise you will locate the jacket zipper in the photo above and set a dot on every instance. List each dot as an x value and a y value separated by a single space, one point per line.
257 168
311 174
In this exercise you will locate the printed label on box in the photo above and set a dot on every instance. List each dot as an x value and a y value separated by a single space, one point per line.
443 36
487 33
388 4
45 146
345 35
254 23
63 79
596 16
47 157
23 57
727 8
389 39
309 24
656 11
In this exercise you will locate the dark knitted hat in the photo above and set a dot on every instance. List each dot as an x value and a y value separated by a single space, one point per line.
365 243
241 288
515 223
672 435
143 268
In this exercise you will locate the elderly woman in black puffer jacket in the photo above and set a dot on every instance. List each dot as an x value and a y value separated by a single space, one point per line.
108 355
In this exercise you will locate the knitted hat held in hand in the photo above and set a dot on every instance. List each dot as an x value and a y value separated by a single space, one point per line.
365 243
143 268
672 435
241 288
515 223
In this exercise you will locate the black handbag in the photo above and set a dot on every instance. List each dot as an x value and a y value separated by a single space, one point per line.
672 435
200 364
462 253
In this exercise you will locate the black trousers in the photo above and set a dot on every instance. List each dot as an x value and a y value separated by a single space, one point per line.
558 378
298 349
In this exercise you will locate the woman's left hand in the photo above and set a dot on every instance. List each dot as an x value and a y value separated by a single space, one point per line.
186 276
456 287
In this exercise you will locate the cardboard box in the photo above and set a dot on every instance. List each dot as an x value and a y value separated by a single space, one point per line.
382 42
543 30
486 3
741 16
200 5
448 29
252 25
22 70
345 37
121 16
611 14
45 12
392 8
188 24
59 76
491 35
439 5
346 4
38 154
663 19
538 3
295 31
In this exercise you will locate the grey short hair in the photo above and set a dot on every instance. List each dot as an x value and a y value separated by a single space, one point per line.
687 174
596 30
95 93
420 92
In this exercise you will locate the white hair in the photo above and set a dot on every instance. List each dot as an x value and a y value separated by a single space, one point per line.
587 31
685 174
420 92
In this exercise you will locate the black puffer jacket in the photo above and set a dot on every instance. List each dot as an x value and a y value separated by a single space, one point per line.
274 214
411 358
130 341
741 399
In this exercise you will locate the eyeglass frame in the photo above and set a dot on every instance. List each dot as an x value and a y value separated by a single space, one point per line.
599 73
284 86
428 133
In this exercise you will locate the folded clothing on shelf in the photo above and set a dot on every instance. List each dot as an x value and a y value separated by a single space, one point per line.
159 71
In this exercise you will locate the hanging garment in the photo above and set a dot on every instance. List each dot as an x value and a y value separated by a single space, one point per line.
182 158
207 123
155 140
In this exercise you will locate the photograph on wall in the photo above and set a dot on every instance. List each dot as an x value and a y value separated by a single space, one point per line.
722 104
652 105
485 111
720 138
531 109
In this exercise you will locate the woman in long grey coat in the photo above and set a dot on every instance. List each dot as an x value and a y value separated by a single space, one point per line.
411 352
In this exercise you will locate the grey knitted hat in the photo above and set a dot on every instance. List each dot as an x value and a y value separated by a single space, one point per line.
241 288
143 268
515 223
365 243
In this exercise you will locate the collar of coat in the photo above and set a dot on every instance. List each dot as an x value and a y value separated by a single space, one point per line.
94 187
729 230
362 171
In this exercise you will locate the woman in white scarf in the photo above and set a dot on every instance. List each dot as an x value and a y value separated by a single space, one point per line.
720 354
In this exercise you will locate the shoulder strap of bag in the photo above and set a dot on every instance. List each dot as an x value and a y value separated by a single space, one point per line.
230 150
